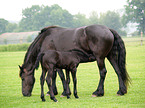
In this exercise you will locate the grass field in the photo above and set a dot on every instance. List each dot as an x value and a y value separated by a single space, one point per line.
88 77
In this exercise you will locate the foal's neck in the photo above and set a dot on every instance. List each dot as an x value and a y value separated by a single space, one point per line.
81 56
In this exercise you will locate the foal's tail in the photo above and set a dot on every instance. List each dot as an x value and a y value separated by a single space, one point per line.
39 58
118 53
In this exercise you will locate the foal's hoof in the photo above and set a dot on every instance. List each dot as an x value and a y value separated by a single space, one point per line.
48 93
68 97
43 100
76 97
55 100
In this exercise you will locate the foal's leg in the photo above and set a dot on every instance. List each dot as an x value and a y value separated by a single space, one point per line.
53 84
42 79
62 77
49 82
67 83
73 72
103 71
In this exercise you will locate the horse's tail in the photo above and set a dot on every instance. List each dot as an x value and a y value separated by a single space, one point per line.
118 53
39 58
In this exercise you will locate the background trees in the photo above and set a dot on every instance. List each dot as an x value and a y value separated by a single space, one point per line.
3 24
37 17
135 12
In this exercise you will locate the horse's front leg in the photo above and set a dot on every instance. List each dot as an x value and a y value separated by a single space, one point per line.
73 72
103 71
42 79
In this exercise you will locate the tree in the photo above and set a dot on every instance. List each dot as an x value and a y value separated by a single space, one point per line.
38 17
59 16
3 24
11 27
135 12
94 18
26 24
111 19
80 20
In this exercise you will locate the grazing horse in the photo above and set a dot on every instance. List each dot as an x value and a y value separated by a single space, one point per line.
97 40
52 59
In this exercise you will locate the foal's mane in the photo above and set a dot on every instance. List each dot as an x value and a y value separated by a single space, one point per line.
35 47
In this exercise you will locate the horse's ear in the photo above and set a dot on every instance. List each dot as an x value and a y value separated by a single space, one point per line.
20 67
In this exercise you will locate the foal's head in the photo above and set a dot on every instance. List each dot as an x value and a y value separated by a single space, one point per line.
28 80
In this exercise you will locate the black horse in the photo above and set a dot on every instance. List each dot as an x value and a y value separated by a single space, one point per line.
97 40
52 59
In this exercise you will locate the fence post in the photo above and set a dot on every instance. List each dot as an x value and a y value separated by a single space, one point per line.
141 38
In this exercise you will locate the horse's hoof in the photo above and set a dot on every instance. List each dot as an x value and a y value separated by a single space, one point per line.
62 96
47 94
118 95
94 95
76 97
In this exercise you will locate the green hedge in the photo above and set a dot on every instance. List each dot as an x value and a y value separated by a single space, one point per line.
14 47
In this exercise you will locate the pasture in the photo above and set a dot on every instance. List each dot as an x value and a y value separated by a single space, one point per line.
88 77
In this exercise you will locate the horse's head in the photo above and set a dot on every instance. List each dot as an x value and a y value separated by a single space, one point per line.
28 80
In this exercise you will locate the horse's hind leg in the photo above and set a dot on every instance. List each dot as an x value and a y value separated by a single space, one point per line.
122 88
103 71
73 72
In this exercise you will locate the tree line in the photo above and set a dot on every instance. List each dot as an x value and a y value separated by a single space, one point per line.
37 17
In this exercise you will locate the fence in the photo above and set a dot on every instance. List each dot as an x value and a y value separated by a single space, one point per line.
134 41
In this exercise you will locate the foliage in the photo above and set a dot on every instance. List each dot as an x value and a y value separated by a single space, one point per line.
3 24
80 20
14 47
135 12
94 18
26 24
111 19
88 77
11 27
37 17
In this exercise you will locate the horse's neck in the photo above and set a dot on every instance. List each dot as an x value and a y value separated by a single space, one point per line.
29 65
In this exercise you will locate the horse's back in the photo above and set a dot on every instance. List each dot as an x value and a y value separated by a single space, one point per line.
62 39
94 38
100 39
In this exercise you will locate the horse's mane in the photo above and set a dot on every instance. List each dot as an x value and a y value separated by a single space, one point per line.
35 47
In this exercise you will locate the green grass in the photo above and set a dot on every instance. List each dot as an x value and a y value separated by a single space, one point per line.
88 77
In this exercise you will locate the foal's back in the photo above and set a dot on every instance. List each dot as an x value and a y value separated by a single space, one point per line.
61 60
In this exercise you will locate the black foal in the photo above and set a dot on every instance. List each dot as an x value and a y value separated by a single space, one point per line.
51 59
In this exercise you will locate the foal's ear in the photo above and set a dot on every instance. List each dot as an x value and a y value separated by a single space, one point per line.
20 67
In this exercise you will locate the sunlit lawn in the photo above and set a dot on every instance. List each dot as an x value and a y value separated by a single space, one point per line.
88 77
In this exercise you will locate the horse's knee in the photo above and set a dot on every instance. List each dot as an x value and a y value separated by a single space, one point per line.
103 73
48 82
